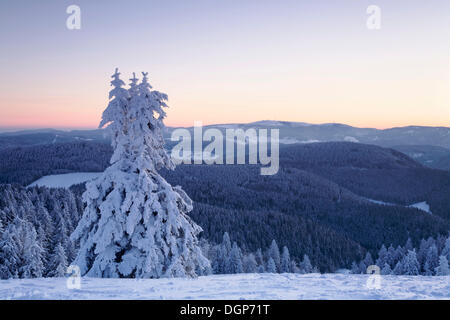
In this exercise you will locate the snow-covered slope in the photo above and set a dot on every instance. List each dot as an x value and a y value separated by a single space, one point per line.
241 286
65 180
424 206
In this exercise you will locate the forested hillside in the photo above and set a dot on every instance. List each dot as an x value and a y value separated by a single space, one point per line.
316 205
24 165
35 226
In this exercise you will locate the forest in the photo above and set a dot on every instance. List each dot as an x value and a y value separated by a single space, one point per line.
316 206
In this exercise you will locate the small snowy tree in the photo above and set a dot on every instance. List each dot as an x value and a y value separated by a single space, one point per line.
305 265
443 269
382 256
446 251
386 269
250 265
274 253
31 252
408 245
294 267
259 259
135 223
432 260
368 261
271 267
9 259
58 262
398 270
285 261
234 264
355 268
410 265
222 256
390 256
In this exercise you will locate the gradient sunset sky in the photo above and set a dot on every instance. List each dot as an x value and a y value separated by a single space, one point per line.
229 61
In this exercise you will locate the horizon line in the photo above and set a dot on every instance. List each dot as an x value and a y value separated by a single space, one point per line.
11 129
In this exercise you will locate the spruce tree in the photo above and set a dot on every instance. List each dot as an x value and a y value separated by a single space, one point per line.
274 253
305 265
410 265
235 260
135 223
285 261
386 269
443 269
432 260
249 263
58 262
9 260
271 267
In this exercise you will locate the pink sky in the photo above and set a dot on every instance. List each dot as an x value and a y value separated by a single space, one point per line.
239 61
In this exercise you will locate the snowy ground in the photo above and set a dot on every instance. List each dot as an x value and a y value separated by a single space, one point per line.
234 287
65 180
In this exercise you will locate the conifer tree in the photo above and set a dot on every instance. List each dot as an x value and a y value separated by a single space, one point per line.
443 269
58 262
235 260
386 269
410 265
271 267
135 223
305 265
285 261
250 265
274 253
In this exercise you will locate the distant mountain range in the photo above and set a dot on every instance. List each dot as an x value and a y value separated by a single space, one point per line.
429 146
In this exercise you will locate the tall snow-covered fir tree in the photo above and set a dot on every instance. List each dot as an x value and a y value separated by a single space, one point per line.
135 224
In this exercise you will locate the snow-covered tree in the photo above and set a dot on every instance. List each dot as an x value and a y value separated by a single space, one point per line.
294 267
222 255
432 260
271 267
398 270
443 269
9 260
274 253
30 251
386 269
410 265
58 262
226 243
285 261
250 265
234 264
382 257
446 251
391 256
408 246
368 261
135 223
259 257
355 268
305 265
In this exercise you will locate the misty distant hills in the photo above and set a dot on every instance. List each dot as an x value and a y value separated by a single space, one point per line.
290 133
429 146
300 132
37 137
